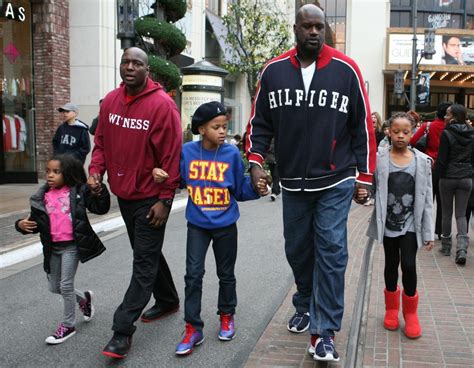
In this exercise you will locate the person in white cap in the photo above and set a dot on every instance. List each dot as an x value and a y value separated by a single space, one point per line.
72 136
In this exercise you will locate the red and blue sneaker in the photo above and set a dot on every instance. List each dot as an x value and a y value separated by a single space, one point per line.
227 331
191 338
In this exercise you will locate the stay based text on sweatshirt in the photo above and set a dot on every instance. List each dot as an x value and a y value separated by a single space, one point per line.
215 181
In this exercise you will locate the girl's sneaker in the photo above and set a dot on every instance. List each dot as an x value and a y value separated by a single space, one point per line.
62 334
86 306
191 338
227 331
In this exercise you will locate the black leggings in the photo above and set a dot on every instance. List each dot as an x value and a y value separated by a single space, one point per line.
402 248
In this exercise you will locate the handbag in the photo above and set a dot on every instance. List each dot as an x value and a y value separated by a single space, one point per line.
423 141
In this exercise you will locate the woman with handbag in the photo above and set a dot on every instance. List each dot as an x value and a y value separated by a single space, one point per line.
432 146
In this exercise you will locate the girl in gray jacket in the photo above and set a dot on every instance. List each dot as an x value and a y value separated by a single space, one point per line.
402 219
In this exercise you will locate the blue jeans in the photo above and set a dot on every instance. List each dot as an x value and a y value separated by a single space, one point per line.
315 230
224 243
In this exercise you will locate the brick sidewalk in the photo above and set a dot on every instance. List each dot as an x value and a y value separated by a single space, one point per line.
446 314
279 348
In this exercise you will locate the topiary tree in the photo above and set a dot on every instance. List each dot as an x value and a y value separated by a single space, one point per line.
257 31
168 40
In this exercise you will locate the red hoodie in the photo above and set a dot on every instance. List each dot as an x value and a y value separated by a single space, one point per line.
434 134
134 137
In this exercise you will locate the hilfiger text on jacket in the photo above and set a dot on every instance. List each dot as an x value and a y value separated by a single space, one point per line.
322 98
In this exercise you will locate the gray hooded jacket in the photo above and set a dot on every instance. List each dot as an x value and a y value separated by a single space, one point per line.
423 206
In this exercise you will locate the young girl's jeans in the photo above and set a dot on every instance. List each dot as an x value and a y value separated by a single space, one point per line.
224 243
63 266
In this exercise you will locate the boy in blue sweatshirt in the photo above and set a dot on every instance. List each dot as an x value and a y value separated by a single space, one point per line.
213 173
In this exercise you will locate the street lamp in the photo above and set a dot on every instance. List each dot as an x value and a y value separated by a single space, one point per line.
127 12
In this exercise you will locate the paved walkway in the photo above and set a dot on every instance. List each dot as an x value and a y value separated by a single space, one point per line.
446 305
446 313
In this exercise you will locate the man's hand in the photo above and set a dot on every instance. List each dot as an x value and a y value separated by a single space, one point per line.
159 175
158 214
361 193
27 225
94 183
258 174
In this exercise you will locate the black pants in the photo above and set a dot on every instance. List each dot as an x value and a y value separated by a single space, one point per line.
400 250
275 179
437 197
150 270
224 243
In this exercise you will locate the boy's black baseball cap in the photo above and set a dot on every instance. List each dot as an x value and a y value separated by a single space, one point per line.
206 112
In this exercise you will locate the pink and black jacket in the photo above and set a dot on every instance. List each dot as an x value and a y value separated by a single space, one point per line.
323 137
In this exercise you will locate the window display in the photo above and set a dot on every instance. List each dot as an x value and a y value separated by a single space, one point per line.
17 154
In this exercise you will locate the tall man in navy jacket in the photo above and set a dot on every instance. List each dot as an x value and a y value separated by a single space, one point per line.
312 100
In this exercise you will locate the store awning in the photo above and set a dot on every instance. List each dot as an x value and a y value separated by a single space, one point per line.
220 31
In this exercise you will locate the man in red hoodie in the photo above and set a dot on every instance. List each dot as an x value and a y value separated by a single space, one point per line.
140 129
432 146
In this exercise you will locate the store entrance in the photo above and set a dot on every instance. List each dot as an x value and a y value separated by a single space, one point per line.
463 96
17 147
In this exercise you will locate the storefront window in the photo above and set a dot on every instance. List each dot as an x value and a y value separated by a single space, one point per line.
17 154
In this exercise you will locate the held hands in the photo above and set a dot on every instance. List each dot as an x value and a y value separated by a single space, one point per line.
429 245
27 225
263 187
260 180
159 175
361 193
94 183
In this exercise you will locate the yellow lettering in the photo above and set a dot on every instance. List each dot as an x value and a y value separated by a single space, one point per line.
211 174
190 191
226 196
218 192
197 196
208 195
203 165
222 167
193 170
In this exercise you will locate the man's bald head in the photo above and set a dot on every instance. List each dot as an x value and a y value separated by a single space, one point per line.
308 10
137 53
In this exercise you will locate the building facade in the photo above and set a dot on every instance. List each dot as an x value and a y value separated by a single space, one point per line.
56 51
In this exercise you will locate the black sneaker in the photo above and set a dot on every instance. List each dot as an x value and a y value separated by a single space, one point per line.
62 334
118 346
299 322
86 306
325 350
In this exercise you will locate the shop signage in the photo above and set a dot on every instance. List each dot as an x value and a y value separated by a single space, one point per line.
450 49
9 11
439 20
423 89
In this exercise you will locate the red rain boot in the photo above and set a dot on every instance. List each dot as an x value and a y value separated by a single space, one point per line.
410 307
392 307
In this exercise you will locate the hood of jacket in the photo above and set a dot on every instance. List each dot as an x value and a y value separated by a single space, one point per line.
463 133
150 87
78 123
